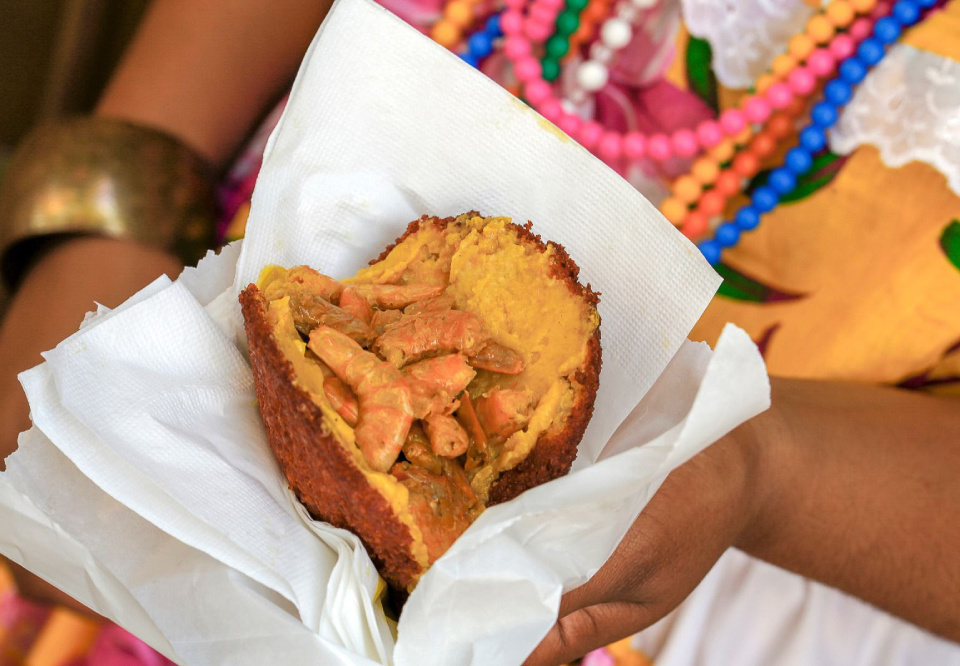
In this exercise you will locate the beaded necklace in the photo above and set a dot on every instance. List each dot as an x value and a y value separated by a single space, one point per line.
801 77
684 143
839 45
813 138
615 33
480 43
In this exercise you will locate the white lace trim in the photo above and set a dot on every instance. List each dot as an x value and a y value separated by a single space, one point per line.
745 35
909 108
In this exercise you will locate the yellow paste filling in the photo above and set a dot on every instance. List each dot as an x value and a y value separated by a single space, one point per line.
488 271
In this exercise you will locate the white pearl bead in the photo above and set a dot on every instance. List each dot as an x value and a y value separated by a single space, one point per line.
643 4
601 52
592 75
616 33
628 12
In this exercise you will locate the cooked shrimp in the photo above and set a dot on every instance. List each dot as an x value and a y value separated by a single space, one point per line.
383 394
311 302
351 301
313 312
453 471
414 337
443 505
435 304
383 319
396 296
502 412
417 450
304 280
467 415
310 310
497 358
435 382
447 436
314 359
342 399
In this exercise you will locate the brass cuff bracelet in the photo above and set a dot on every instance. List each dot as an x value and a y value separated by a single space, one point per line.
98 176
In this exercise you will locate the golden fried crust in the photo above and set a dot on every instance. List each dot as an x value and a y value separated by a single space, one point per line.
555 452
321 473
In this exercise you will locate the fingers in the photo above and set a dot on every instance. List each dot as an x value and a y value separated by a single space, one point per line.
588 594
587 629
686 526
674 542
625 575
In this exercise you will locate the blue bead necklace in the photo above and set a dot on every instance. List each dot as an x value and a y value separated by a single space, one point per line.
480 43
813 138
837 93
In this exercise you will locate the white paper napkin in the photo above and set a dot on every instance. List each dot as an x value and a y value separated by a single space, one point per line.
148 457
188 574
383 125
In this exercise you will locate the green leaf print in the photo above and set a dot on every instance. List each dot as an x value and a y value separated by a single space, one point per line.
700 71
739 287
950 242
825 168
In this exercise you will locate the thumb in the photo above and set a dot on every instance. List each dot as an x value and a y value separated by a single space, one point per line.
587 629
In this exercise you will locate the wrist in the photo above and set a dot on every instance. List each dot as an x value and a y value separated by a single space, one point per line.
744 474
723 484
764 440
49 305
95 268
68 280
104 177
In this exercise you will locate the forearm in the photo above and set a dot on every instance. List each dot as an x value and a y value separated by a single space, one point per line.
862 492
202 71
205 71
50 305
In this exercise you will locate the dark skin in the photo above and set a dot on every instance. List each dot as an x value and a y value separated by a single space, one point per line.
236 68
49 306
851 485
870 472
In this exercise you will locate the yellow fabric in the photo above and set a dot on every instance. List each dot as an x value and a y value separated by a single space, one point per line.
677 70
65 636
938 33
878 299
949 366
6 579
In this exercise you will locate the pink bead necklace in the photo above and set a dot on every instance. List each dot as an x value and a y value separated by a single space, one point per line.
793 75
694 207
615 33
541 17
